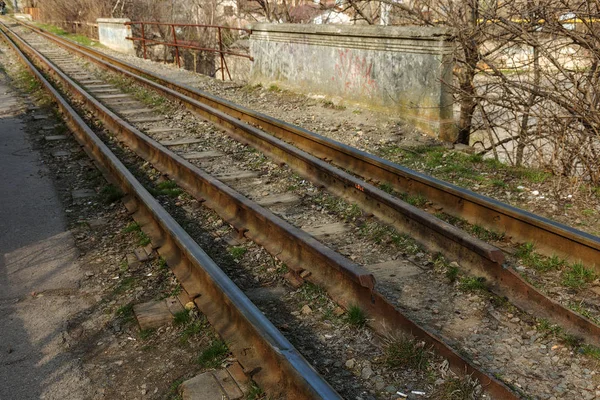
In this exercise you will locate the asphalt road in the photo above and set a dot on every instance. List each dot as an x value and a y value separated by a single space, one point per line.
39 274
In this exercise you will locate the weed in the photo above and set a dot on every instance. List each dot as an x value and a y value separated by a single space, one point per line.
578 308
590 351
213 356
452 273
533 175
498 183
126 312
455 388
356 316
181 318
571 340
126 283
544 326
475 158
254 392
386 187
162 263
417 200
485 234
193 329
588 212
146 333
143 239
577 276
174 390
274 88
110 194
166 188
123 266
238 252
28 82
400 351
472 284
132 227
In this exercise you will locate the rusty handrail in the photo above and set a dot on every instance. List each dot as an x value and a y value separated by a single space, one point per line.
185 44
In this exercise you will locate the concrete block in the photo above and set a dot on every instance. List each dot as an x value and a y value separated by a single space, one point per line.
396 69
113 33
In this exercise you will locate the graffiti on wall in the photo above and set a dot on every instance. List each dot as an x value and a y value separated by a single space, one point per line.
355 74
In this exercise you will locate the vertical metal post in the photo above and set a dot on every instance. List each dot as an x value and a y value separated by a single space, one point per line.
221 53
143 41
176 47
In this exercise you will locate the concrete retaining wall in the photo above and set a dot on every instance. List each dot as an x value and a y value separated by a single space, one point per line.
399 69
112 33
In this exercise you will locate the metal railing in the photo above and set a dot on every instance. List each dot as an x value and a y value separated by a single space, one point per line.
189 44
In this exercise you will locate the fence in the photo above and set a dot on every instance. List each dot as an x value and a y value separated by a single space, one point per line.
206 38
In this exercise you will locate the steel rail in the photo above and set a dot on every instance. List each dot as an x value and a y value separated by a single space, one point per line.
481 258
347 283
278 367
550 237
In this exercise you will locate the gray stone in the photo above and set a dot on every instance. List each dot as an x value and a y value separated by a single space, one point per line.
350 363
391 389
54 138
82 194
366 373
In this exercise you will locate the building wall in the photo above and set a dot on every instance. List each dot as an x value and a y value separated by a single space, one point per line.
398 69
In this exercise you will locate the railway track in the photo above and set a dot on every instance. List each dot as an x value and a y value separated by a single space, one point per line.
307 153
347 282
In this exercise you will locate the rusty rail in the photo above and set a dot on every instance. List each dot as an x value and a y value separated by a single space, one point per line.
189 44
259 346
345 281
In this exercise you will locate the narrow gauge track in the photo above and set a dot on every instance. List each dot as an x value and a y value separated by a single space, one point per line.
345 281
479 257
252 337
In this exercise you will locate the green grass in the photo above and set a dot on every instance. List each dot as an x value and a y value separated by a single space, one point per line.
254 392
472 284
81 39
193 328
146 333
143 239
182 318
577 276
578 308
166 188
126 313
27 81
402 351
214 355
238 252
340 207
110 194
526 252
173 393
456 388
386 187
356 316
124 284
590 351
498 183
414 200
486 234
132 227
452 273
532 175
274 88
